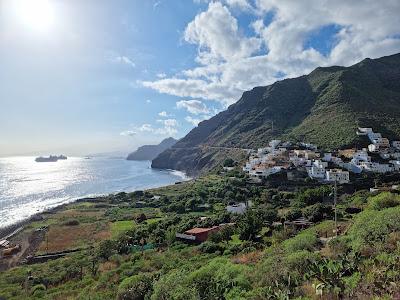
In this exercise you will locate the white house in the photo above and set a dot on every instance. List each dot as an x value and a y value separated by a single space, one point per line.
327 157
381 142
338 175
239 208
396 144
264 172
317 169
373 148
376 167
396 164
373 136
361 155
364 131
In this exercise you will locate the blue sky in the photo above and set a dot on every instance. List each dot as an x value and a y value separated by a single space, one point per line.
87 76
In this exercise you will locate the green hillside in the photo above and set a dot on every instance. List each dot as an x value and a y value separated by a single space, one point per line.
324 107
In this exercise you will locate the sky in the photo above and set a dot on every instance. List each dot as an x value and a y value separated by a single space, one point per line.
91 76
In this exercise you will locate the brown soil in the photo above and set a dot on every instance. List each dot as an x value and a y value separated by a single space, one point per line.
29 241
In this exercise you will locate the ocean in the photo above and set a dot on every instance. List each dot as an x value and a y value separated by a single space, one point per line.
28 187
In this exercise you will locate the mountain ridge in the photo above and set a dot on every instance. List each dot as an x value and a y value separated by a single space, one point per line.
149 152
324 107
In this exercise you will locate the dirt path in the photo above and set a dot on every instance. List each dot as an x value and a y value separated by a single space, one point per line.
29 242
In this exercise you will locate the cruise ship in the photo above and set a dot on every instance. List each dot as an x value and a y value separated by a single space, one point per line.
51 158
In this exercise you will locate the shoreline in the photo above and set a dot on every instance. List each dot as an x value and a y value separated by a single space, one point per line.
11 230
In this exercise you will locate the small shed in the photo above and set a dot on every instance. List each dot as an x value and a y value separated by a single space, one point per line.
197 234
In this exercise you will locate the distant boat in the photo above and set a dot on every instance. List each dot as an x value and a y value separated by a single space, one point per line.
51 158
87 157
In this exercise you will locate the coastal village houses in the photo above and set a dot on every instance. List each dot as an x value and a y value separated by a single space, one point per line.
281 156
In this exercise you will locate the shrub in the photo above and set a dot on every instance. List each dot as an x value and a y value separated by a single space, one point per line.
249 225
71 222
135 287
210 247
371 229
38 289
293 214
216 279
384 200
302 241
106 249
316 212
229 162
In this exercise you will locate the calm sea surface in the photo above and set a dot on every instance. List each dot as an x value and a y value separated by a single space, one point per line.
28 187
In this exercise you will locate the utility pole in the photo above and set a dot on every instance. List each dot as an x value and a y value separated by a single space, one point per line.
335 204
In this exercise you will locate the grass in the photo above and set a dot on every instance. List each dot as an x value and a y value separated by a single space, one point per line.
235 240
153 220
119 227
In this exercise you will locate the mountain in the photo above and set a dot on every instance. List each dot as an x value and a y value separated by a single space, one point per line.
149 152
324 107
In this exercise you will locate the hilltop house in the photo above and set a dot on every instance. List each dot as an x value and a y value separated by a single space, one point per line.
337 175
396 144
376 167
317 169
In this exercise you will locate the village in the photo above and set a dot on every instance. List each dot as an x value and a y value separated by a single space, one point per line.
381 156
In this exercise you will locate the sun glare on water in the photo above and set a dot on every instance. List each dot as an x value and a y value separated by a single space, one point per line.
37 15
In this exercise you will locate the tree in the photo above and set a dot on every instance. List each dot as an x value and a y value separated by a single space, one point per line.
226 232
249 225
106 249
229 162
140 218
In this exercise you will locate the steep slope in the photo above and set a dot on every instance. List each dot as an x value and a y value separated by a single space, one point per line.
324 107
149 152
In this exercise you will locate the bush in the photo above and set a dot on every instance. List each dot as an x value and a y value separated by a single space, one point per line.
229 162
37 289
71 222
316 212
293 214
302 241
371 229
384 200
210 247
249 225
135 287
106 249
217 278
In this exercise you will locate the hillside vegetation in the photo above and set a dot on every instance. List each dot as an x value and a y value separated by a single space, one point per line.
324 107
128 248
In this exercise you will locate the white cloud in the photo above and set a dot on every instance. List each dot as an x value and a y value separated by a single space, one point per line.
216 33
230 63
128 133
161 75
195 107
169 128
125 60
146 128
163 114
242 4
169 122
195 121
148 101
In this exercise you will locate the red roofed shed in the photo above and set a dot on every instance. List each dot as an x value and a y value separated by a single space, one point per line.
201 234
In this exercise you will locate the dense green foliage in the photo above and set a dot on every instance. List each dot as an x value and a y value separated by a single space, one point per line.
255 259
